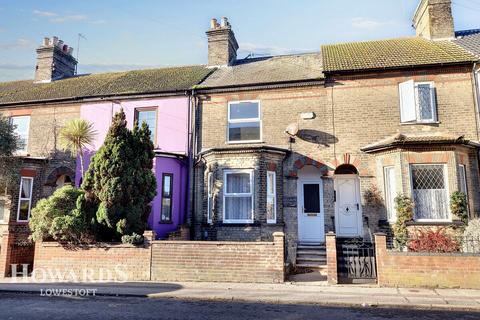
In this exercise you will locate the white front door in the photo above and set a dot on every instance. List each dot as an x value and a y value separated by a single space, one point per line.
348 208
311 221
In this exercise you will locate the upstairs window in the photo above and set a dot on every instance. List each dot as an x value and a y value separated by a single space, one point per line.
22 126
244 124
417 102
238 196
149 116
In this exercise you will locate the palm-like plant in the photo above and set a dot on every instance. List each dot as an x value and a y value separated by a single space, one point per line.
76 136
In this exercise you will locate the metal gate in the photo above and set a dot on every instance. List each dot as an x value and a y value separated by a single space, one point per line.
356 261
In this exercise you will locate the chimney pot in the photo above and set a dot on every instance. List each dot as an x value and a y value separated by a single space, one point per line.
213 23
65 48
55 40
70 50
46 41
224 22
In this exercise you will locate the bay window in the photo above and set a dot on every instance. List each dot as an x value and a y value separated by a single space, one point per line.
390 192
429 189
244 124
238 196
271 197
166 208
210 197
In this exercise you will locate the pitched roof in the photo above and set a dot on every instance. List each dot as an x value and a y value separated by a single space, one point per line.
104 84
268 70
400 139
392 53
469 40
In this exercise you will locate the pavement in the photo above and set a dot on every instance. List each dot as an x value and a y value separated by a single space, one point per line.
287 293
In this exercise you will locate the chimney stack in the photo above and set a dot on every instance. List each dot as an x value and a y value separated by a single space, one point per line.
222 45
433 20
54 61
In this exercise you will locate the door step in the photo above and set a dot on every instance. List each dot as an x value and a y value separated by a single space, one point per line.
311 257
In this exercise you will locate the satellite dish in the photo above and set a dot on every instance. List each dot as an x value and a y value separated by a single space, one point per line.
292 129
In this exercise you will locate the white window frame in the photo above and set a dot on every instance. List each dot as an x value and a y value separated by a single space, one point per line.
463 168
6 212
445 178
24 150
209 197
273 195
410 102
232 195
258 119
393 215
29 199
433 102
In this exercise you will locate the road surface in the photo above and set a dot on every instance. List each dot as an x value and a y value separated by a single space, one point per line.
33 306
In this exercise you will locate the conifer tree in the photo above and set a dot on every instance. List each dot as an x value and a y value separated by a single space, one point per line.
120 182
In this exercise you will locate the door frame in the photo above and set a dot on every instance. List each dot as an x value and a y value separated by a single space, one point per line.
300 198
356 178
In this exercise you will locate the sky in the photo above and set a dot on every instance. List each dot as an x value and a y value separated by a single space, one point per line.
135 34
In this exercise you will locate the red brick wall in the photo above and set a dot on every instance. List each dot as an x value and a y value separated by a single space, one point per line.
95 262
331 243
15 249
404 269
261 262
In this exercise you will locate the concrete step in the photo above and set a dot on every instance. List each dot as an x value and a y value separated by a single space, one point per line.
312 266
312 259
319 248
312 252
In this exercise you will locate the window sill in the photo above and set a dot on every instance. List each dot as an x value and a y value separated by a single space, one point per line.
245 142
435 223
419 123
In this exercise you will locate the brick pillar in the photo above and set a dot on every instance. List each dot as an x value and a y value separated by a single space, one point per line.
279 245
380 252
332 272
6 253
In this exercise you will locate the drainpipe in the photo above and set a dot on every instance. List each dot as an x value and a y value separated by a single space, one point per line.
476 89
192 104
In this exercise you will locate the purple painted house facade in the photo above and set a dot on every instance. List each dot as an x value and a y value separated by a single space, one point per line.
168 119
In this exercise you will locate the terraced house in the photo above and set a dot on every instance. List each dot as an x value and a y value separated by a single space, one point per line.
40 108
324 141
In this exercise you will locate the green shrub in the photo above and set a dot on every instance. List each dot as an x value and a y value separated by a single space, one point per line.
57 217
134 239
458 206
404 208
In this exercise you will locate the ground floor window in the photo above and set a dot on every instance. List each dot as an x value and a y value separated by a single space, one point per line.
238 196
210 197
430 194
25 199
167 186
271 197
2 210
390 192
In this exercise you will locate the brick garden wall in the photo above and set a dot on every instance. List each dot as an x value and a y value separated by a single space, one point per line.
103 262
261 262
405 269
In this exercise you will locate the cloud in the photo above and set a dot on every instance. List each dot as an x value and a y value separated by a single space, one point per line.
40 13
69 18
260 49
20 43
100 21
367 23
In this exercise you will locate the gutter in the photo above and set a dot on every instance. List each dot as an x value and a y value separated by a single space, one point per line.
262 86
178 92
